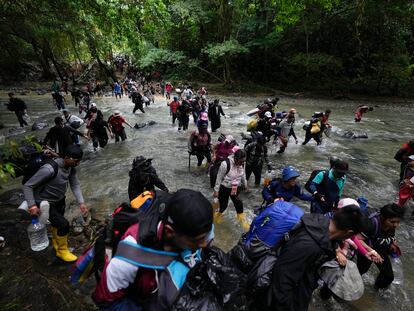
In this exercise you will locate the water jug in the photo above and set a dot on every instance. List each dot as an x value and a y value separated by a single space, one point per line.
37 235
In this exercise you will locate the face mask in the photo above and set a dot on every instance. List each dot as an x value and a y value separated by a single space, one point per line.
190 258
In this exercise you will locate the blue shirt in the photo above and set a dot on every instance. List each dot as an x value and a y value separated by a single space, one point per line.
276 190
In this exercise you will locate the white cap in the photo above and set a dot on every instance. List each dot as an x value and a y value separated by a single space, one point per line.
229 138
411 157
346 202
93 105
117 113
268 114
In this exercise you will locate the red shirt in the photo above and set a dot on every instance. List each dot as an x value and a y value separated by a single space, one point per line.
117 123
173 106
168 87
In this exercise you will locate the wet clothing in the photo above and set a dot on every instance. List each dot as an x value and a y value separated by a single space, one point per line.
276 190
99 133
285 130
136 186
359 112
330 187
35 191
225 183
117 125
59 138
264 126
402 156
295 272
406 191
18 107
137 100
200 144
60 101
314 130
183 112
222 151
381 242
173 108
214 112
256 156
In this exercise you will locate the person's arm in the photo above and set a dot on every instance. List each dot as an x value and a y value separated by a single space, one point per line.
301 195
159 183
243 182
127 123
221 111
77 192
220 176
267 192
295 260
316 181
44 174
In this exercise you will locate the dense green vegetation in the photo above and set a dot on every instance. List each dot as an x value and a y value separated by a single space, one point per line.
333 45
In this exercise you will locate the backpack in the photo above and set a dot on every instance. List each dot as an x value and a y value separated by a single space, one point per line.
272 226
94 257
312 176
35 164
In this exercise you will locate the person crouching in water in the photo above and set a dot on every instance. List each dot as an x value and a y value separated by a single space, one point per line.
231 180
361 109
200 144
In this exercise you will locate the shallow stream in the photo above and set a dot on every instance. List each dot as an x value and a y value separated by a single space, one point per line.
373 171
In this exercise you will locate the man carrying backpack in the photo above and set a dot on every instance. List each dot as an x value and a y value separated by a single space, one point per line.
18 107
326 187
143 177
256 156
295 275
152 260
49 183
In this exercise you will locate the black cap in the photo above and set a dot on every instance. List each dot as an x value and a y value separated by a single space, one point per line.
341 166
189 212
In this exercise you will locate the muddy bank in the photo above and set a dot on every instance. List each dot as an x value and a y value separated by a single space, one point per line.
34 280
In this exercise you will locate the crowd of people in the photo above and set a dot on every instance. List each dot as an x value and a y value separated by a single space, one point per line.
168 233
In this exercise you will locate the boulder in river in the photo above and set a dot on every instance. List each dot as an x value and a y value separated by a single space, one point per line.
144 124
355 135
39 125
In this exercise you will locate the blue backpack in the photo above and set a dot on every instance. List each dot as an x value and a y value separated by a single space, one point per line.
273 224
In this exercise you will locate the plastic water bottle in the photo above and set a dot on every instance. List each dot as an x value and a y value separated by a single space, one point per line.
397 268
37 235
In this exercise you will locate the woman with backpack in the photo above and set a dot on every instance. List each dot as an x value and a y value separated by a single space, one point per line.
231 180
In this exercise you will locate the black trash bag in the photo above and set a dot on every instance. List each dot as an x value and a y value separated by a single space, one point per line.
239 255
214 284
260 277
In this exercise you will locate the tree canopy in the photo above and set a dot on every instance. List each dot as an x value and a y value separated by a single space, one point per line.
336 45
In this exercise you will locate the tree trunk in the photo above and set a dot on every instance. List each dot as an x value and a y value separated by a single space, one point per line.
44 62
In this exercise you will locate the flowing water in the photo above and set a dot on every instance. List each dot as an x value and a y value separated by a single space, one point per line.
373 171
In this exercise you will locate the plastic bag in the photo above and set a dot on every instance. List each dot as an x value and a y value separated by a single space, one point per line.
214 284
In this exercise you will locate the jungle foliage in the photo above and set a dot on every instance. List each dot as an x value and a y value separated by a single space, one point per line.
332 45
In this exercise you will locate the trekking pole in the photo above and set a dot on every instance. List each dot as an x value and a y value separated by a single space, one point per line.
189 161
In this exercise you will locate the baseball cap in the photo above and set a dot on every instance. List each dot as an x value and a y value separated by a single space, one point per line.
93 105
189 212
268 114
346 202
411 157
341 166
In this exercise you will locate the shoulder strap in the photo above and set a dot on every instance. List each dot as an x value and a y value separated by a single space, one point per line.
228 165
144 257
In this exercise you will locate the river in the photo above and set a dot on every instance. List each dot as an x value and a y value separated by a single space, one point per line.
373 171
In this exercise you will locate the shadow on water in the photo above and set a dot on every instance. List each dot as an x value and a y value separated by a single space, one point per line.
373 171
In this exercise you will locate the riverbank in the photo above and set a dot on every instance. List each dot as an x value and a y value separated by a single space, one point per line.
33 280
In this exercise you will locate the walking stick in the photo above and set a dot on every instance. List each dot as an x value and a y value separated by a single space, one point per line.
189 161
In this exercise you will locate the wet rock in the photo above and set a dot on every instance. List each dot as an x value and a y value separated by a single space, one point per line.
354 135
16 130
41 92
144 124
39 125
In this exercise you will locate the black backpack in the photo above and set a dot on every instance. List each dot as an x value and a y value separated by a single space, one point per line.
35 164
312 176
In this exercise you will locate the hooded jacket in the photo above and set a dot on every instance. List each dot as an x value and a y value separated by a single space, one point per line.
295 271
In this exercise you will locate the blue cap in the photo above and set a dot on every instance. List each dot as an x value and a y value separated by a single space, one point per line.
289 172
363 202
175 98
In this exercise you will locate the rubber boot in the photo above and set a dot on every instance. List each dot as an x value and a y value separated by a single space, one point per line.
243 222
63 251
218 217
54 238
